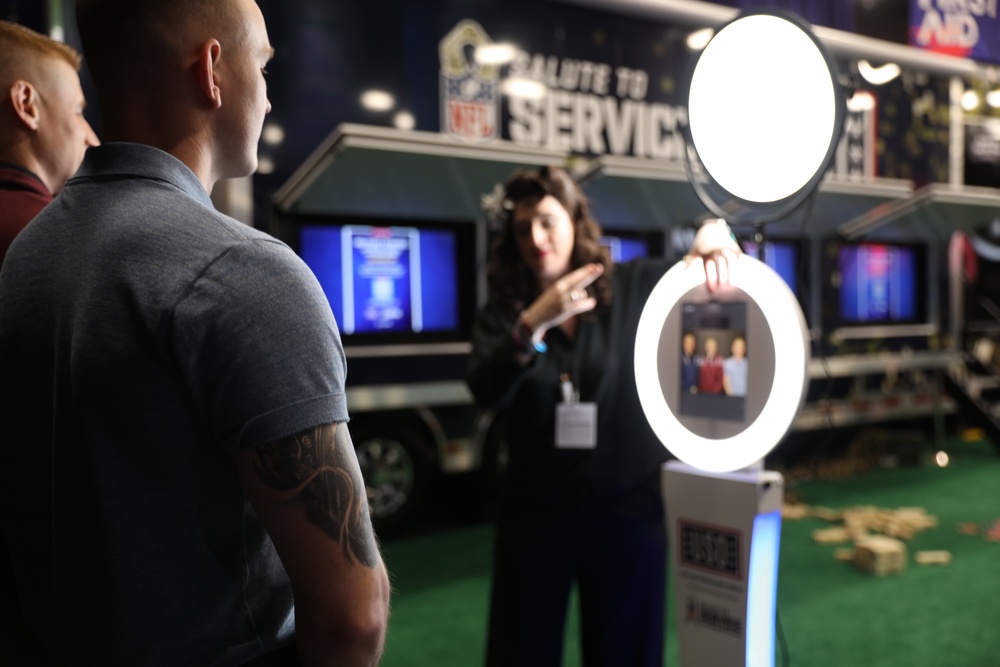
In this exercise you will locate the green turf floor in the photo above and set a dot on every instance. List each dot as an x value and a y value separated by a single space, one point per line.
831 614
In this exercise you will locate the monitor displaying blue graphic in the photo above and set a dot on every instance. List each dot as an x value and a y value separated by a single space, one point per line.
782 256
878 283
392 282
624 249
628 243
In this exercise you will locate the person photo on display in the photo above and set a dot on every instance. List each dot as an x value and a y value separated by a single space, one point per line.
689 364
734 375
710 373
580 500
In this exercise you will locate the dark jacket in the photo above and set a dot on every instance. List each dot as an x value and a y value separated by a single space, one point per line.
600 361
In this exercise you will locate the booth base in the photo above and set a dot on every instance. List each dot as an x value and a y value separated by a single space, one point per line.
725 530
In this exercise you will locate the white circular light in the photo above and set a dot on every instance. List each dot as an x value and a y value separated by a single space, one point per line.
265 165
526 88
791 353
763 108
970 100
377 100
878 75
495 54
273 134
699 39
861 101
404 120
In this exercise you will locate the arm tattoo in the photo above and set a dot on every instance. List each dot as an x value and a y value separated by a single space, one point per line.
320 463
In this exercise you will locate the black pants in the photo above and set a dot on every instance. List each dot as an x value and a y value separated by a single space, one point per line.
616 553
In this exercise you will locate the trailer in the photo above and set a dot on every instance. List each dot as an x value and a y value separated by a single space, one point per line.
605 99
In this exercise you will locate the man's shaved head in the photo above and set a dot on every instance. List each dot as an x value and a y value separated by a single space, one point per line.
184 76
22 50
128 42
42 126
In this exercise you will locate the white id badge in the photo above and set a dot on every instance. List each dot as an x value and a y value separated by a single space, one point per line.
576 425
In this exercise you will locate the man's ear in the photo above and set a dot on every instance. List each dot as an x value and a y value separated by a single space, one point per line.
24 99
208 76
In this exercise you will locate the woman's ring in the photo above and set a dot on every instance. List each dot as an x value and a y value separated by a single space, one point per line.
575 295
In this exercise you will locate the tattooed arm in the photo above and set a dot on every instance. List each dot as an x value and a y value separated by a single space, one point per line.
310 496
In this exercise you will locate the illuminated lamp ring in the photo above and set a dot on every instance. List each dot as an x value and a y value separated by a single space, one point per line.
791 353
722 201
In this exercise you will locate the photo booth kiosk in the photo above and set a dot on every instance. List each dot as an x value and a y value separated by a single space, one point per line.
722 374
723 509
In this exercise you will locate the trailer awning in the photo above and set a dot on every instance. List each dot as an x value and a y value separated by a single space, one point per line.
933 213
389 173
633 192
385 172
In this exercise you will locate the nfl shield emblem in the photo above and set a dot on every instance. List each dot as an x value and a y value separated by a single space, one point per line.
470 93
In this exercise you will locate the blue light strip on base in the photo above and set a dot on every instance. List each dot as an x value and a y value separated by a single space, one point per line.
762 589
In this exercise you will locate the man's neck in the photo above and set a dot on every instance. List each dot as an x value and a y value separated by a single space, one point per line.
190 148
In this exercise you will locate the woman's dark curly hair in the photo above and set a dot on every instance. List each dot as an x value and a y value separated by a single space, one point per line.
510 279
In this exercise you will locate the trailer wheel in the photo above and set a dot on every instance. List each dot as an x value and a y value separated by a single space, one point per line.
396 468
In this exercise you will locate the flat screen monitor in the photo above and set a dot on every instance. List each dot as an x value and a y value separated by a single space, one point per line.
626 245
782 256
880 283
714 360
394 281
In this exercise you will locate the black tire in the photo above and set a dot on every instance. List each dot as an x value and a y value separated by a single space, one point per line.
397 466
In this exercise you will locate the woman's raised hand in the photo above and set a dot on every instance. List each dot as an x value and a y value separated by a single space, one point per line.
562 300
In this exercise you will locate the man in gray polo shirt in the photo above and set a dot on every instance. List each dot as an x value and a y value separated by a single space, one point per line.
181 486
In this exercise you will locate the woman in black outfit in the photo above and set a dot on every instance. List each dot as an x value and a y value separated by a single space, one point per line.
559 327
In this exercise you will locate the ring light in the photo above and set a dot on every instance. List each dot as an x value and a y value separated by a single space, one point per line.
765 112
764 116
788 386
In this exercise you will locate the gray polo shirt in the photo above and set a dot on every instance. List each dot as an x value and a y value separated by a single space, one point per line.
144 338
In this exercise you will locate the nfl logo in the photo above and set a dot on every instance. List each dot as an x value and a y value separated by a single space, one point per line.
470 93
